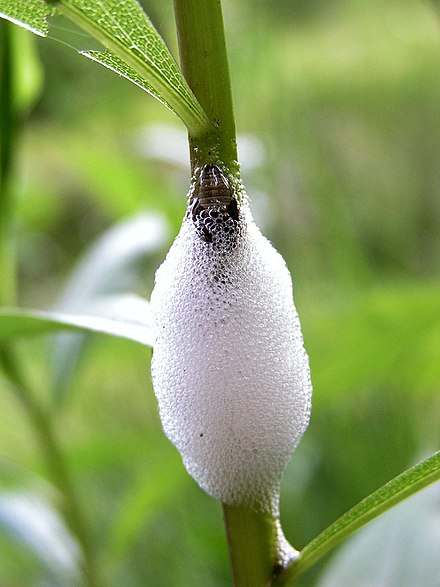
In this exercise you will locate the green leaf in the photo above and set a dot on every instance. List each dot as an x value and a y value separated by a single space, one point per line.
33 523
30 14
399 549
17 322
134 49
369 508
113 264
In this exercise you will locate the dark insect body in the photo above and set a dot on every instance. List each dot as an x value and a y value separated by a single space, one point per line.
212 187
212 199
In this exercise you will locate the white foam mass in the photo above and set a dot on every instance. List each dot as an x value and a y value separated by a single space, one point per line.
229 367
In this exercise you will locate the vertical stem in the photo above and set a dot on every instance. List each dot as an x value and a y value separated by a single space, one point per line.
8 124
256 546
40 419
59 474
253 537
204 63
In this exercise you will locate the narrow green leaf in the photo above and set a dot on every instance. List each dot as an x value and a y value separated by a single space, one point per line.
34 524
112 265
30 14
17 322
399 549
135 50
111 61
369 508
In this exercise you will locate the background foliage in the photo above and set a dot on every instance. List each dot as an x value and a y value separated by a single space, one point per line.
337 107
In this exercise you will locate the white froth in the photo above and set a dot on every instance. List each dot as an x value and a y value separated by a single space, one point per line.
229 368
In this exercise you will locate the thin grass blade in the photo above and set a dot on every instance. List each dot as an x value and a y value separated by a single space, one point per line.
387 496
17 322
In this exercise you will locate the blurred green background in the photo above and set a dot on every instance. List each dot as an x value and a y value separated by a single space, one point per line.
337 109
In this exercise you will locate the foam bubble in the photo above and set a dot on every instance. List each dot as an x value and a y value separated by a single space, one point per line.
229 367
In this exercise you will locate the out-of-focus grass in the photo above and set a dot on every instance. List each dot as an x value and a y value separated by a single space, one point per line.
344 99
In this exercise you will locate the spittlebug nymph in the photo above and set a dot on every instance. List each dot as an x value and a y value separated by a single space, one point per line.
212 203
212 187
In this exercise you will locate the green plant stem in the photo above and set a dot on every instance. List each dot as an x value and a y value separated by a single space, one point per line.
55 461
253 540
11 365
387 496
252 536
8 127
204 64
40 420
